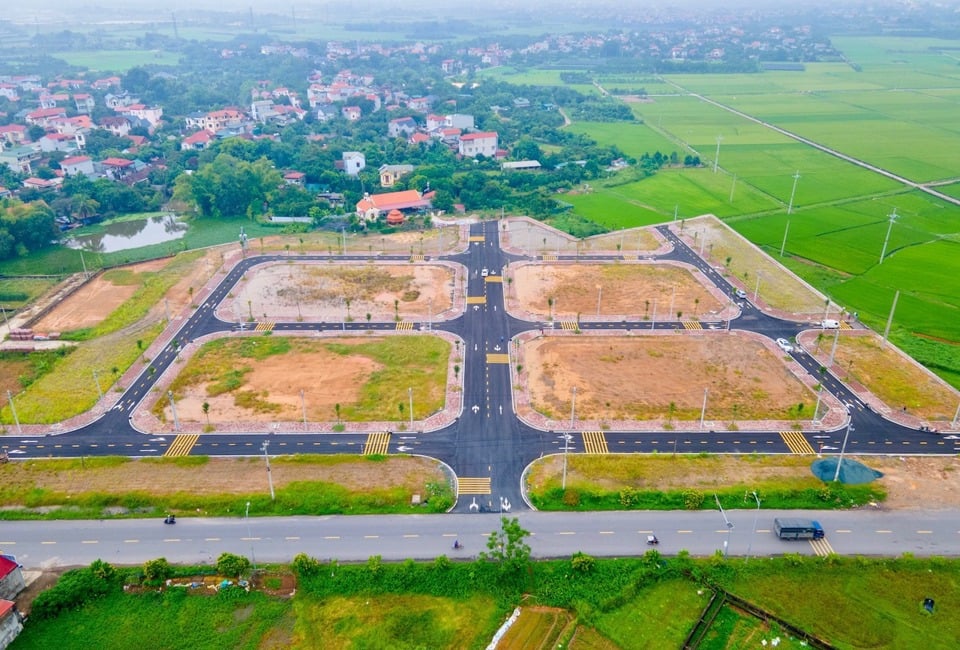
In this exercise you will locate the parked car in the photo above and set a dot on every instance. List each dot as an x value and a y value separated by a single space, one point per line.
785 345
740 293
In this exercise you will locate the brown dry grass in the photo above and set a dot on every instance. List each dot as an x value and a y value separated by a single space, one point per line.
536 628
638 378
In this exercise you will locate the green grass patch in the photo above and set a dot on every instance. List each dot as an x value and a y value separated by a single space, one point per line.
16 293
117 60
633 139
664 612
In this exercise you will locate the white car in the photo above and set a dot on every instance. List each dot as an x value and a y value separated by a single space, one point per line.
484 273
785 345
740 293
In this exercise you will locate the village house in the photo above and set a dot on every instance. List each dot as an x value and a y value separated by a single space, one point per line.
353 162
352 113
150 114
13 134
295 178
481 143
372 206
10 623
197 141
390 174
401 127
19 159
118 125
42 116
77 165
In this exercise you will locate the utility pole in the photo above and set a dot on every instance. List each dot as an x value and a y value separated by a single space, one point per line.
796 177
716 158
266 457
13 410
566 438
892 217
886 330
703 410
843 448
173 409
303 406
96 380
783 246
410 396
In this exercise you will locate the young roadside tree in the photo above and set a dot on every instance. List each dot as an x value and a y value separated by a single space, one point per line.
229 564
507 548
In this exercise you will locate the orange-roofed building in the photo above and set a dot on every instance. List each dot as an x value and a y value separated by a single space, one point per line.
372 206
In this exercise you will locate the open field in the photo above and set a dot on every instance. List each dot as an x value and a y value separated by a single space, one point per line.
535 77
904 479
16 293
117 61
260 379
634 140
663 378
733 629
305 484
660 616
330 292
585 291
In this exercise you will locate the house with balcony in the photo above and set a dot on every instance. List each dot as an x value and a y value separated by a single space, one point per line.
481 143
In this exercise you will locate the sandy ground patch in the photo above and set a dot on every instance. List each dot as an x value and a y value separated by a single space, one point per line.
325 378
637 291
318 292
638 378
86 307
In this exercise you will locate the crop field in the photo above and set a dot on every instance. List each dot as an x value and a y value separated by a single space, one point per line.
117 60
536 77
633 139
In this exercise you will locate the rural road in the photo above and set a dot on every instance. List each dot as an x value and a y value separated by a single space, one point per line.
355 538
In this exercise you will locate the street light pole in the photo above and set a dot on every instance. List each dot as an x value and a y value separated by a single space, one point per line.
599 296
173 409
756 515
96 380
729 524
703 410
410 396
253 556
303 406
756 289
266 457
843 447
566 438
13 411
716 158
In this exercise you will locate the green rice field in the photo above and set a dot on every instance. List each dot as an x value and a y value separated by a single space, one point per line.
117 60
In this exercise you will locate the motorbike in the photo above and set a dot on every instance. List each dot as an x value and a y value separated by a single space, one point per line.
652 540
170 519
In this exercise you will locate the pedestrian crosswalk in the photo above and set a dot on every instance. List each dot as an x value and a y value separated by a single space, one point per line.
181 445
498 358
477 238
265 327
796 442
378 443
822 547
692 325
844 325
494 278
479 485
594 442
404 326
550 258
476 300
418 258
570 325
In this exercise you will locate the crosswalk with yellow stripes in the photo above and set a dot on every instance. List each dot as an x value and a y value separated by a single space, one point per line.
822 547
550 258
796 442
692 325
404 326
418 258
570 325
844 325
378 443
182 445
476 300
493 357
594 442
477 238
474 485
494 278
265 327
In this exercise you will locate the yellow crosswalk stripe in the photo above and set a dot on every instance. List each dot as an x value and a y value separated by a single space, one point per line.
594 442
477 238
550 258
264 327
476 300
479 485
692 325
821 547
417 258
404 326
796 442
378 443
844 325
570 325
494 278
182 445
498 358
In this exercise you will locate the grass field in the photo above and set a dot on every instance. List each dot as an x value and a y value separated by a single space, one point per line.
118 61
633 139
16 293
659 617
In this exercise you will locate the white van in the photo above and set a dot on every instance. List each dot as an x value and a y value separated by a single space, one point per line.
829 324
740 293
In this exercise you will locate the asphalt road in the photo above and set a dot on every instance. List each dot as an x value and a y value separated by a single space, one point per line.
356 538
488 447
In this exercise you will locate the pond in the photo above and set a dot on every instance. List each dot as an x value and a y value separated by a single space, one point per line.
124 235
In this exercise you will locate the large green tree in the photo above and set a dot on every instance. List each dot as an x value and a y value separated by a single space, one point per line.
229 187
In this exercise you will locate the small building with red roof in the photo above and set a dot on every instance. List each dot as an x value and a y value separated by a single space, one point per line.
371 206
11 578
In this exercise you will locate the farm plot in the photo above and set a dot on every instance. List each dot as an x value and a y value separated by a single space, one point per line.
640 291
632 139
663 377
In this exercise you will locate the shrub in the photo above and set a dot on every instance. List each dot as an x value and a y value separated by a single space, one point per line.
229 564
571 498
157 570
580 562
692 499
73 590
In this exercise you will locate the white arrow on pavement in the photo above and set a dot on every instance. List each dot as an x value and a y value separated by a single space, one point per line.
402 449
475 408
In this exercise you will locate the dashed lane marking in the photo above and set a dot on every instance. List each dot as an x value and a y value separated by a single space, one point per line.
378 443
796 442
594 442
182 445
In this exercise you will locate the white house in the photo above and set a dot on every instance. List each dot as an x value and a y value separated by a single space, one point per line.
480 143
353 162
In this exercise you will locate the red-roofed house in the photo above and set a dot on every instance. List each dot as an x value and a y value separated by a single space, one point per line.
42 116
371 206
10 622
11 578
294 178
418 138
117 168
197 141
352 113
14 134
58 142
481 143
77 165
43 183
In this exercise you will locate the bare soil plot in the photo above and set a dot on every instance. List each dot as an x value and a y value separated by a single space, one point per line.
87 307
662 376
910 481
887 373
536 238
219 475
778 287
637 291
322 291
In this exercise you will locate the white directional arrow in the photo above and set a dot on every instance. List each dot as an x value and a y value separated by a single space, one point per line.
475 409
402 449
496 348
158 439
474 506
476 308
